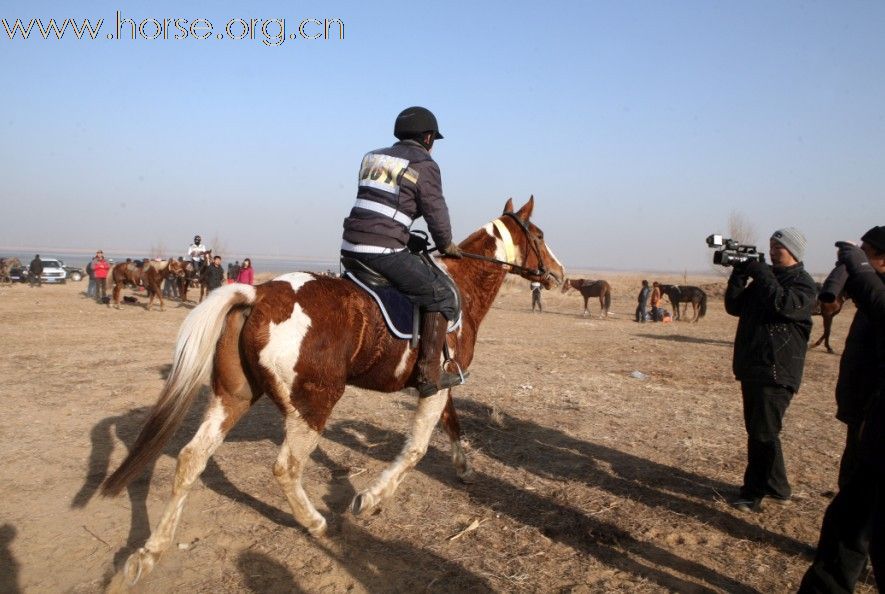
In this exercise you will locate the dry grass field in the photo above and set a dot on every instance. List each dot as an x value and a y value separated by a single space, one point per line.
588 479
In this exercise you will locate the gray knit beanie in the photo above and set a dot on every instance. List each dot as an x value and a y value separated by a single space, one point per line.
792 239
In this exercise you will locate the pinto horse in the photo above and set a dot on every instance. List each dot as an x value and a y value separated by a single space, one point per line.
591 288
300 339
685 294
150 275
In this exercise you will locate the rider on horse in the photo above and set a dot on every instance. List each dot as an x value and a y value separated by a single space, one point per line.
396 186
196 252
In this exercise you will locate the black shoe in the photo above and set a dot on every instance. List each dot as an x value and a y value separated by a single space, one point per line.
446 380
747 504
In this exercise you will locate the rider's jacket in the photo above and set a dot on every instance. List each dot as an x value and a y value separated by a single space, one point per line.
396 186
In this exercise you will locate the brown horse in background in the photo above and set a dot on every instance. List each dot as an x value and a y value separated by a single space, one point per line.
591 288
301 339
685 294
827 311
150 275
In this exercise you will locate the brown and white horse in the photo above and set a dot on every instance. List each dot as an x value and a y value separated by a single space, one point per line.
591 288
150 275
300 339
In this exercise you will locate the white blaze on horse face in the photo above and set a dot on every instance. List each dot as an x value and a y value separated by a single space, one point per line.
281 353
296 279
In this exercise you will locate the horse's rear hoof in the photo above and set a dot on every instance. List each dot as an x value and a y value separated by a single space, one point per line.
362 503
468 477
318 529
139 564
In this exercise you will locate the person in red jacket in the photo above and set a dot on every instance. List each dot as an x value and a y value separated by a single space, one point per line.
100 268
247 273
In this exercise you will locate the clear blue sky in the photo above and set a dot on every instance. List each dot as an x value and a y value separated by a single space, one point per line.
638 126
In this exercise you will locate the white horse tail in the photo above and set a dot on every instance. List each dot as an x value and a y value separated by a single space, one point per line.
191 366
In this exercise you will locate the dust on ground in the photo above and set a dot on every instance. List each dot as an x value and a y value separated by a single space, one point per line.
588 479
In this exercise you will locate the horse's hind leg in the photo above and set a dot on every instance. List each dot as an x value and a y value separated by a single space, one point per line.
586 311
221 415
300 441
426 416
453 430
232 398
828 326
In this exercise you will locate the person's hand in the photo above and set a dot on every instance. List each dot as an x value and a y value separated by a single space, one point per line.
850 255
452 250
753 268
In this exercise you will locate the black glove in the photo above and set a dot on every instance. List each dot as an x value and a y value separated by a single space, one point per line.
754 268
452 250
851 256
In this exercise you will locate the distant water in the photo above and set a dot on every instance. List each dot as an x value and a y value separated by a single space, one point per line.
259 264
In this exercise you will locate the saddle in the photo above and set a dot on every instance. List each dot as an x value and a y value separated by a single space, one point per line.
401 314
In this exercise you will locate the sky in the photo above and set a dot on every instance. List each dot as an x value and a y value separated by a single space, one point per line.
639 127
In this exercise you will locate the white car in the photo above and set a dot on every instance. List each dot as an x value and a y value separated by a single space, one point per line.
53 271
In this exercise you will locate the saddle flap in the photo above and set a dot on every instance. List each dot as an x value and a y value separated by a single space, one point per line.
363 272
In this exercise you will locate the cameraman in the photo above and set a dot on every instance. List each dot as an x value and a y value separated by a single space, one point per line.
769 355
848 522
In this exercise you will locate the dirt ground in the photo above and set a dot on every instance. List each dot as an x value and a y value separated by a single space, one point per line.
588 479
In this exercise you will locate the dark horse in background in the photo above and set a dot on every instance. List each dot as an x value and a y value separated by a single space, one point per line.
301 339
591 288
685 294
827 311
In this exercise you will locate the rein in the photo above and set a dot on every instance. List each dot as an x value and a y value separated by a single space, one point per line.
541 272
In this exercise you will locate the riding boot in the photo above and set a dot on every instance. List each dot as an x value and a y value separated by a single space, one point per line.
431 377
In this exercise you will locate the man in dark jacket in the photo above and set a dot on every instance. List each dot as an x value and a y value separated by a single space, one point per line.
642 307
35 272
769 356
214 274
848 522
396 186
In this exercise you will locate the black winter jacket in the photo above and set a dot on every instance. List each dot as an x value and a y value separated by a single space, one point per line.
861 372
868 291
775 322
404 180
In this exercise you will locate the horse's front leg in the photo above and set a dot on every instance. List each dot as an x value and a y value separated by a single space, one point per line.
426 416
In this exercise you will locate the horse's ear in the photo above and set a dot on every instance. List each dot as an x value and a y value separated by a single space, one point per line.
526 211
509 206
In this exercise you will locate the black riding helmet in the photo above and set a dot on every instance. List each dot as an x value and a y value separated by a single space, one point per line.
412 122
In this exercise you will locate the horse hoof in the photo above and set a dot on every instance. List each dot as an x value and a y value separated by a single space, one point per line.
362 503
138 565
468 477
318 528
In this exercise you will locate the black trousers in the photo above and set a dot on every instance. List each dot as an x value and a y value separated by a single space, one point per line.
877 544
424 284
764 408
536 300
847 527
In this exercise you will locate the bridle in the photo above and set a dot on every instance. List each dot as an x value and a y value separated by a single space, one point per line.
540 272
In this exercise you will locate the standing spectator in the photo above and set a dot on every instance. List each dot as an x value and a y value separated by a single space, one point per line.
101 268
642 308
215 274
848 522
233 272
657 312
774 313
35 272
536 296
247 273
90 288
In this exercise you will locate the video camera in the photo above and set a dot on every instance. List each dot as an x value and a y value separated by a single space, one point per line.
729 252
